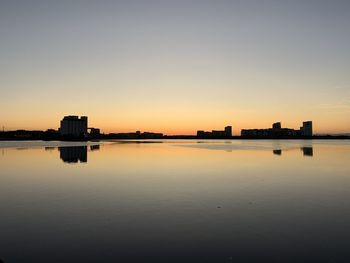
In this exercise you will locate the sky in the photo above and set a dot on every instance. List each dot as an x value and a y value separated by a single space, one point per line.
175 66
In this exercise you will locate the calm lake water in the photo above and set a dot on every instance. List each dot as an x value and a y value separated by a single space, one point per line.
175 201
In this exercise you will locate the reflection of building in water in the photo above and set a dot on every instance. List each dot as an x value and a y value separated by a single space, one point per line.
277 152
307 151
94 147
73 154
48 148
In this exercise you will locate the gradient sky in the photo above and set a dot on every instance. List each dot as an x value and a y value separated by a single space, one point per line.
175 66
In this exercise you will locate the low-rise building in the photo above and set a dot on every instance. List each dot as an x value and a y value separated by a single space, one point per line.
278 132
216 134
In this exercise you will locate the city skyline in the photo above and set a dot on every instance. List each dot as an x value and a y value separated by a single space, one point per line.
74 127
232 130
175 66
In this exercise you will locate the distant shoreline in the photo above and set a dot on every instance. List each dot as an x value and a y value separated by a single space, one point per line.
323 137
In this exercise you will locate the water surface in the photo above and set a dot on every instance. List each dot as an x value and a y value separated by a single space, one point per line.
175 201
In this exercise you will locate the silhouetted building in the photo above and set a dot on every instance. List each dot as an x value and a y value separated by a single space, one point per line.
306 129
200 133
226 133
276 126
278 132
74 126
51 131
73 154
215 133
151 135
135 135
95 133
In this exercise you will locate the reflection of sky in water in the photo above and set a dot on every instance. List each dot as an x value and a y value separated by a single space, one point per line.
175 201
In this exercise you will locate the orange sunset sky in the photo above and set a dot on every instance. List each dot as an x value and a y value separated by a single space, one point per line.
175 66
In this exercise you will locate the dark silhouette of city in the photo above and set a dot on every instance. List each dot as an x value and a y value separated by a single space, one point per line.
75 128
277 131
